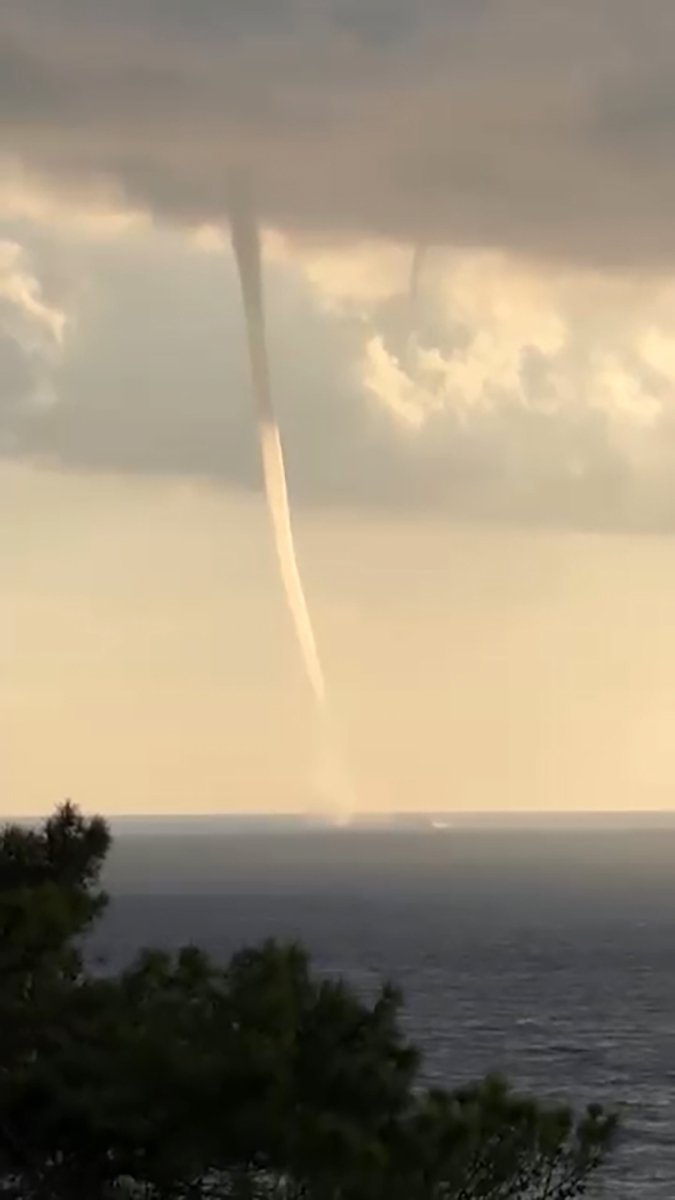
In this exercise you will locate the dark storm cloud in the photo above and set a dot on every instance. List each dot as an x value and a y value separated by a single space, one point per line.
531 124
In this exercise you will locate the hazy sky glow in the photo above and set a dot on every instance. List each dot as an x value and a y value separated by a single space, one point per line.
485 511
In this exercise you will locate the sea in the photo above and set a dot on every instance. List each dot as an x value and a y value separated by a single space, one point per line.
544 952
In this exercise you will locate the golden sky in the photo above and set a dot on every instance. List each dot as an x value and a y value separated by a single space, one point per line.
148 663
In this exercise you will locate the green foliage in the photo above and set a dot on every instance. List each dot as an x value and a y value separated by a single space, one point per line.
180 1078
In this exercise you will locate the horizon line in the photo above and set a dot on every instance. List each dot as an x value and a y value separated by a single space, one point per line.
375 815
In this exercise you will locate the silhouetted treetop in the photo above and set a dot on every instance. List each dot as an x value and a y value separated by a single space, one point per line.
182 1077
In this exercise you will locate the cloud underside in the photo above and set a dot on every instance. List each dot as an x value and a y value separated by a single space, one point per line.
530 125
513 395
526 374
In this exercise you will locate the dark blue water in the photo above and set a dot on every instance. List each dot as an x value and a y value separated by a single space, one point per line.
548 956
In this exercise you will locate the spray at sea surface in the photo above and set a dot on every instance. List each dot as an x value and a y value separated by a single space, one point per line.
330 774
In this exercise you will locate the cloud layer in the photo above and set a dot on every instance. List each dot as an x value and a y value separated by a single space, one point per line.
31 341
515 394
523 124
528 143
